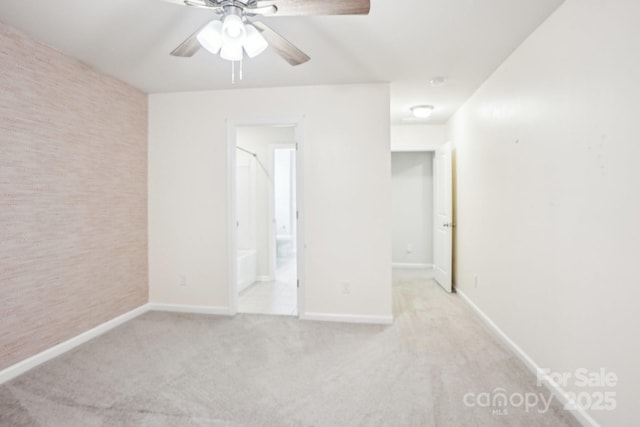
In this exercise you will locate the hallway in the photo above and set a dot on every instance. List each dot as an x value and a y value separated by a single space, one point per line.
279 296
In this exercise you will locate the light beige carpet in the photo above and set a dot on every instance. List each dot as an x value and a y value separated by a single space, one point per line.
166 369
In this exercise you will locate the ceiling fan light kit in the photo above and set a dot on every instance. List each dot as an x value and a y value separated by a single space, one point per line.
231 35
234 35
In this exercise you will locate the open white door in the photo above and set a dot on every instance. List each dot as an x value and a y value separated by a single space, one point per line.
443 223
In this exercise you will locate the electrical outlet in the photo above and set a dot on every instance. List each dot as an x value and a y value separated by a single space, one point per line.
183 279
346 287
475 281
409 248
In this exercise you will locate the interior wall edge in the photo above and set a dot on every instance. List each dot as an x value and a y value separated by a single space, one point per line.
25 365
580 414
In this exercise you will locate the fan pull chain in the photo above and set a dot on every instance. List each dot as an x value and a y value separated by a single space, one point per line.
233 72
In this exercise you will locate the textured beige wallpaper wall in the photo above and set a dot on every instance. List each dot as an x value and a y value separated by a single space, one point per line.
73 197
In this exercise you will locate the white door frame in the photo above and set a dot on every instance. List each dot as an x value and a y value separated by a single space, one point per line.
232 252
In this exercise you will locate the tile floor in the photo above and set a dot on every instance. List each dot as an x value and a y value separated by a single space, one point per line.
277 297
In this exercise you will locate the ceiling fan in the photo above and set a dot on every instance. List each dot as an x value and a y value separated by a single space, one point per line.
233 34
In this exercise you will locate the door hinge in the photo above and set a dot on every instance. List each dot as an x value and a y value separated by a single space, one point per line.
297 283
297 215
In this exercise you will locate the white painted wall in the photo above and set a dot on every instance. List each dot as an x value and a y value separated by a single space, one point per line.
347 193
412 208
417 137
547 196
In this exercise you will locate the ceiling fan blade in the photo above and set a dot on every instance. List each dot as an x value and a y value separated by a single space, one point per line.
318 7
264 10
190 46
194 3
282 46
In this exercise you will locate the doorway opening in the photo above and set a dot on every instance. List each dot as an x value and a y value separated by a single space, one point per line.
412 196
422 217
266 232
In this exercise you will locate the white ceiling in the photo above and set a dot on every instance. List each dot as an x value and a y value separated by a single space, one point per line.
404 42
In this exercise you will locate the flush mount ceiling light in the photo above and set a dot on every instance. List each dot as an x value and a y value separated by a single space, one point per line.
233 35
422 111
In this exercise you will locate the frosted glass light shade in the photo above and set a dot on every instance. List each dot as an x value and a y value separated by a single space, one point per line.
211 36
422 111
233 31
255 43
231 52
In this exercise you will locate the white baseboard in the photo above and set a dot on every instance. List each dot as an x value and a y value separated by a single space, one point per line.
55 351
580 414
194 309
264 279
20 368
412 266
348 318
408 271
